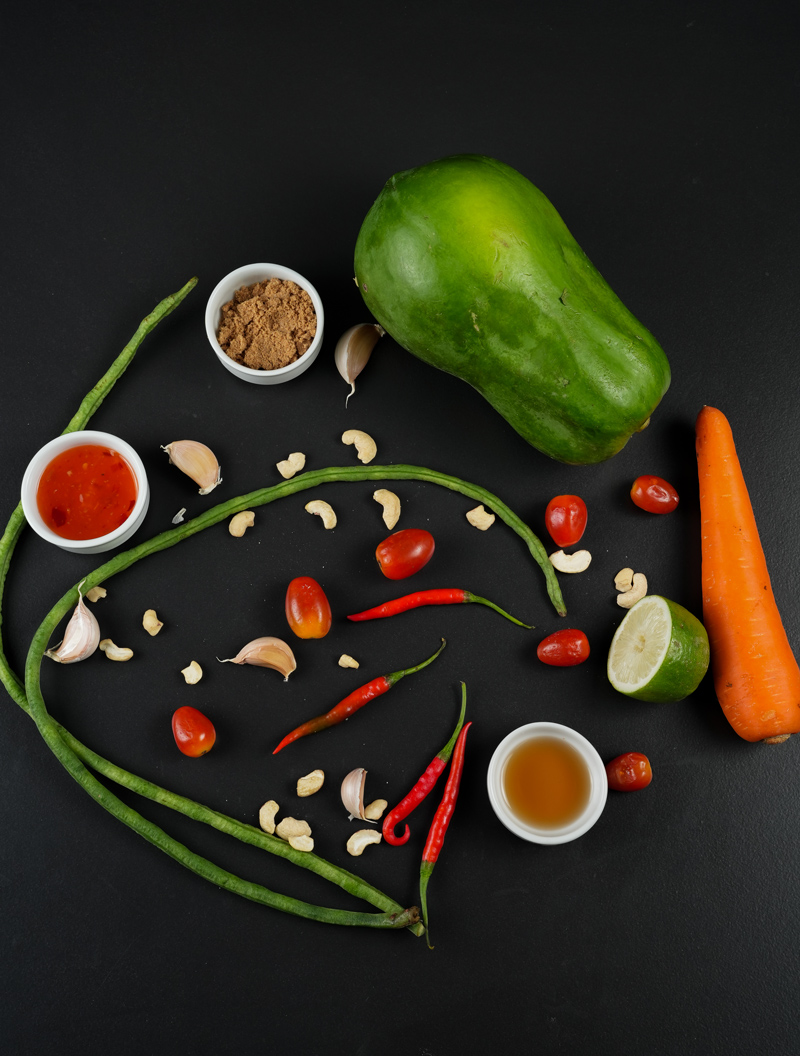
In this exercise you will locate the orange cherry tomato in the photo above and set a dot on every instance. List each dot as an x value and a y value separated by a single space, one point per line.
564 648
308 611
405 552
194 733
654 494
629 772
565 519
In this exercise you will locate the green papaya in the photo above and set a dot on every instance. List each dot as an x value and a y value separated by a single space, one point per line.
468 265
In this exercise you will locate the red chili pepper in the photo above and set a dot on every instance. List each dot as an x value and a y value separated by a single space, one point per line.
424 786
351 704
442 819
443 596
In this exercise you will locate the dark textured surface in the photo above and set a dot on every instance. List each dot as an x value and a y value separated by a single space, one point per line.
150 143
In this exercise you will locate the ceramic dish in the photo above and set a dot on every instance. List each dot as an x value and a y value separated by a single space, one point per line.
224 291
597 793
37 466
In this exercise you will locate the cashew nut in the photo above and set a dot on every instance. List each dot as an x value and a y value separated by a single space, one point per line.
375 809
348 661
193 673
480 518
115 652
361 839
323 510
301 843
292 827
95 594
291 465
624 579
636 593
577 562
391 505
241 522
365 446
311 783
266 816
151 622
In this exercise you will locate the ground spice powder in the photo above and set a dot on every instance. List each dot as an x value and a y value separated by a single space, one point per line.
267 325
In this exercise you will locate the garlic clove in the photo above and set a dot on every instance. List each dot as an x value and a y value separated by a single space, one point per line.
353 794
81 636
196 461
353 350
266 652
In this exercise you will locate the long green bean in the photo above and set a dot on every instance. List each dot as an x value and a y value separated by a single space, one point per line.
395 915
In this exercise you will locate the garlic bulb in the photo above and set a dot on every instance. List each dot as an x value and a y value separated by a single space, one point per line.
353 350
81 636
353 794
266 652
196 461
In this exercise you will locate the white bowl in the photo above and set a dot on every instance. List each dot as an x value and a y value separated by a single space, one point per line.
37 466
597 773
224 291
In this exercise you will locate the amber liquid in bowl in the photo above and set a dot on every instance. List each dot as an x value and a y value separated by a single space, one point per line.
546 782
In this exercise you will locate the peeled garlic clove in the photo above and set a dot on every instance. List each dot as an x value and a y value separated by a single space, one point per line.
196 461
266 652
353 794
81 636
353 350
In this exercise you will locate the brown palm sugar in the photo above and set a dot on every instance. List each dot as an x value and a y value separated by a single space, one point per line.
267 325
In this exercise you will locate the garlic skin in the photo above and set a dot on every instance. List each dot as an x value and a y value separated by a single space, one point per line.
266 652
81 636
196 461
353 350
353 795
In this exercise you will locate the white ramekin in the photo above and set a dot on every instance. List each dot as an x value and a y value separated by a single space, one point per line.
597 772
224 291
37 466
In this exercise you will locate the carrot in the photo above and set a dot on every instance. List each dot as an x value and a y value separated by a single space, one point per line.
756 676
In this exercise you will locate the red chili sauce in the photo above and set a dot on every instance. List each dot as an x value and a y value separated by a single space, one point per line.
86 491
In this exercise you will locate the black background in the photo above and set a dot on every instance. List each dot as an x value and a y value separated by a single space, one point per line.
145 144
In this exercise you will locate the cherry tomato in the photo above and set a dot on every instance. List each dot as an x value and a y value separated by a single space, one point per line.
565 519
564 648
404 553
194 733
307 609
654 495
629 772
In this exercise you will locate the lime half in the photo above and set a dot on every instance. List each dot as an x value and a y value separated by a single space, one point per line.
659 653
